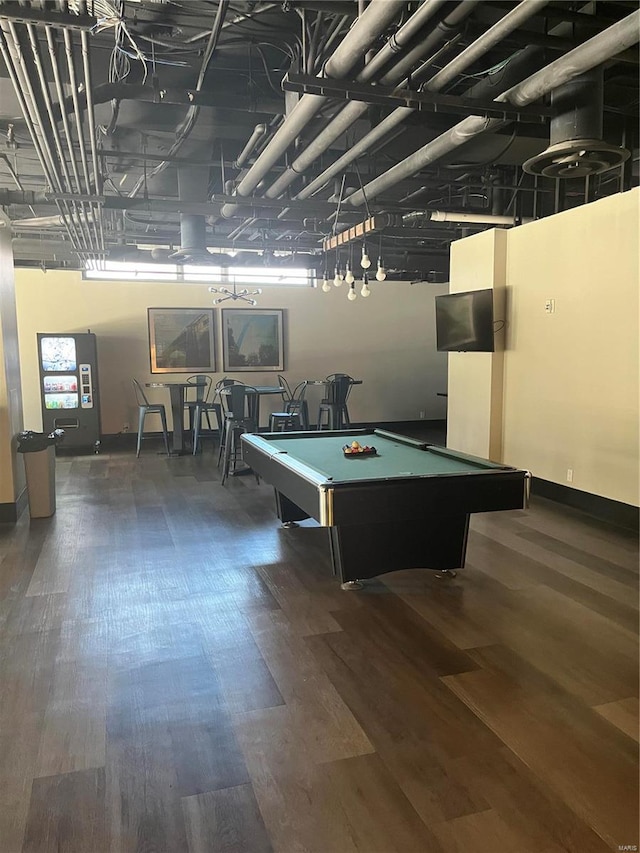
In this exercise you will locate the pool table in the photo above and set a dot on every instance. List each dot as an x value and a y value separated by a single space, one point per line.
407 506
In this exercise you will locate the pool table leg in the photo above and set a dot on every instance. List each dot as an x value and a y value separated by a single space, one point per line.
288 511
351 585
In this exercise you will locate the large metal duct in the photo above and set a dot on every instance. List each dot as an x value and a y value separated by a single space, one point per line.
576 147
193 184
582 59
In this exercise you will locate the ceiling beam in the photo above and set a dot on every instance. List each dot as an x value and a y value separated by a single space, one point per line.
419 101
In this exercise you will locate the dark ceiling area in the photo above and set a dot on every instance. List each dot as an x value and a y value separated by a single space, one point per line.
200 131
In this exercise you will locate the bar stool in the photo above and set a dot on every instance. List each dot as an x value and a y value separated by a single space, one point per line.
146 408
334 406
284 421
295 415
236 421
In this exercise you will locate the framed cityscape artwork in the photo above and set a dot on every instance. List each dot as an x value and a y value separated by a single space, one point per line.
182 340
252 339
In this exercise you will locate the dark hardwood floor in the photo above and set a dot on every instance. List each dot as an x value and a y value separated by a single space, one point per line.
178 673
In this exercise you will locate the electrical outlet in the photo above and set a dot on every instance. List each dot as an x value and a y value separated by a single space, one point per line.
422 415
125 427
569 475
550 306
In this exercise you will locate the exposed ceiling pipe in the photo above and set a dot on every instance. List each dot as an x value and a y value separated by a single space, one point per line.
75 222
355 44
583 58
477 218
259 132
53 58
75 88
86 63
352 111
513 19
12 55
40 222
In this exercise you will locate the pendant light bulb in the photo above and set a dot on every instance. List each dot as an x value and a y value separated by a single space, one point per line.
365 261
381 272
352 293
349 277
365 286
325 285
338 278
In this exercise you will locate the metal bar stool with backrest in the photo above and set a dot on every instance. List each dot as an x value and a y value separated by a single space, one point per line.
236 408
286 389
217 408
201 387
203 408
334 405
296 413
146 408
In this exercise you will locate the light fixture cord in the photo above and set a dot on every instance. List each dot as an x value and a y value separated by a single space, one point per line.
364 195
335 221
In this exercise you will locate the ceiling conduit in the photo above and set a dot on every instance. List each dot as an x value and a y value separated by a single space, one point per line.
350 113
376 17
525 10
443 32
12 55
583 58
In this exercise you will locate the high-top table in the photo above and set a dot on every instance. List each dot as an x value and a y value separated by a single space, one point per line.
177 392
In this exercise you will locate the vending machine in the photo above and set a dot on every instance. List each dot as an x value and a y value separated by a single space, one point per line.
69 387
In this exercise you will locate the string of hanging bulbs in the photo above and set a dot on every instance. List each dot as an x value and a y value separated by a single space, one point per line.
347 276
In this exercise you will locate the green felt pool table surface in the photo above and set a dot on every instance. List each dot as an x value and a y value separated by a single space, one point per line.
394 457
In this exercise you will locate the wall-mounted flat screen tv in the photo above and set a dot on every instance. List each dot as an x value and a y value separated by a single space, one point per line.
464 321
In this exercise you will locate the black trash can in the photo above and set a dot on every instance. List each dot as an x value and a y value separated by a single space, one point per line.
39 451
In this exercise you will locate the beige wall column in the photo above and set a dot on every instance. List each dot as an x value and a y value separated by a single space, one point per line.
475 385
12 480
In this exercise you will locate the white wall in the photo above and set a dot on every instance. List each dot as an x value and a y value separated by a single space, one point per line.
387 340
571 381
571 378
476 380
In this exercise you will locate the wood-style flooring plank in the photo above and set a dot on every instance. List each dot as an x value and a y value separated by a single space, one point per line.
504 534
225 821
587 763
319 715
623 714
54 826
540 819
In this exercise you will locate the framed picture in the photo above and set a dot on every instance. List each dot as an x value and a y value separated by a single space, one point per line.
252 339
181 340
